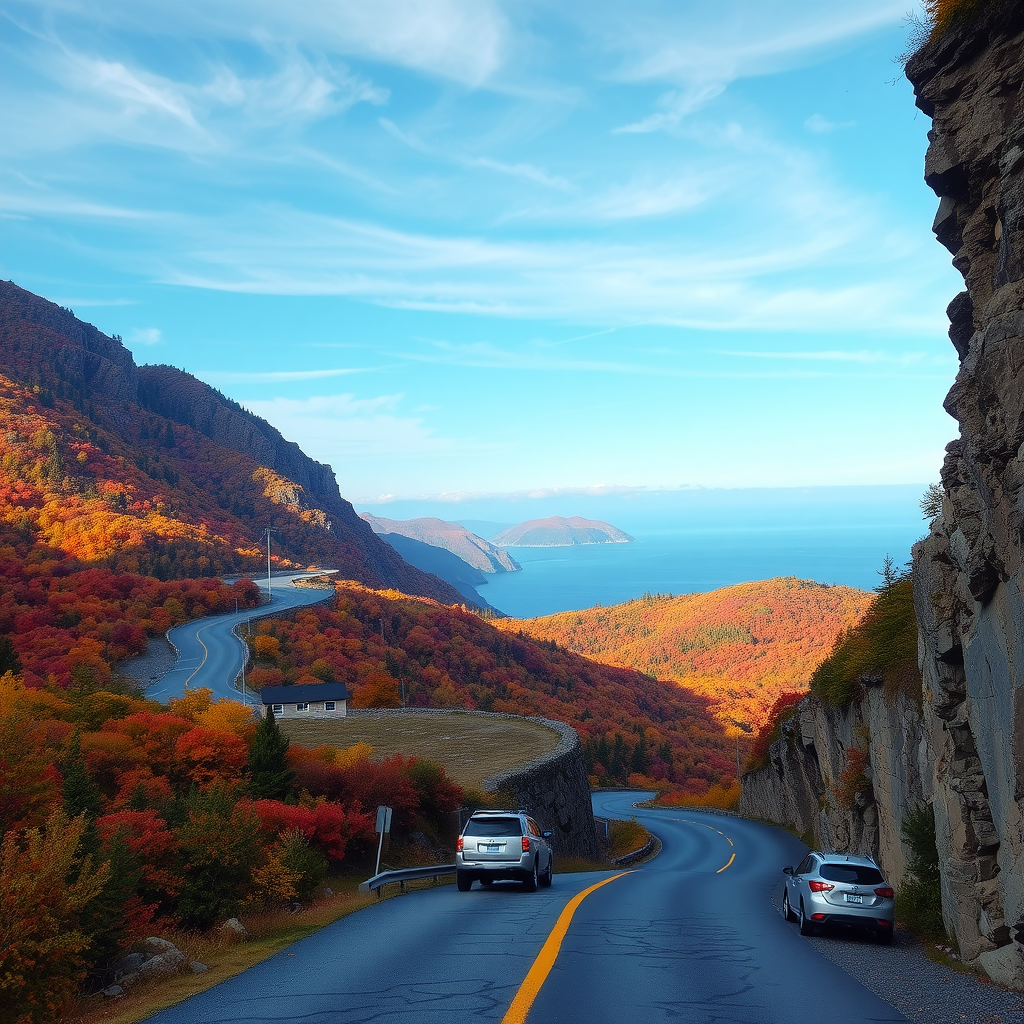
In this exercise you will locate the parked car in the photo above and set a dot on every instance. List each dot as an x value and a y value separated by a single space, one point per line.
836 888
503 844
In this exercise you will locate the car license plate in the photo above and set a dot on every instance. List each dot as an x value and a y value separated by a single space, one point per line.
854 899
493 848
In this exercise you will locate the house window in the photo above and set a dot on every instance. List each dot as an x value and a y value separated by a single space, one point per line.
328 705
278 709
304 706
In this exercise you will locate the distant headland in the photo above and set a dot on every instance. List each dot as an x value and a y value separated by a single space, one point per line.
559 532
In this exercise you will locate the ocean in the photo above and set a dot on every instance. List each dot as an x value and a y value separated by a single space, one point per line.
690 541
688 561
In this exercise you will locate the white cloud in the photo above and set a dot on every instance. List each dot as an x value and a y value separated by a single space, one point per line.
272 376
336 428
145 336
822 126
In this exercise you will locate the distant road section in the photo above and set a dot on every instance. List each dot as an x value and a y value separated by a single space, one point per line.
210 655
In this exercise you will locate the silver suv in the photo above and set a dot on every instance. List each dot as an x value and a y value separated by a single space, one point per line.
503 844
834 888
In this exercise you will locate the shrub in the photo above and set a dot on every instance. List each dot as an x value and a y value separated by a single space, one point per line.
919 901
42 942
882 647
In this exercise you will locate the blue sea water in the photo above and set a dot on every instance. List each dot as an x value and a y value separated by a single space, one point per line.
693 560
691 541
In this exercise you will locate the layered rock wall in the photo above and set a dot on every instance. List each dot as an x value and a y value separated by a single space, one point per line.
964 750
808 784
967 572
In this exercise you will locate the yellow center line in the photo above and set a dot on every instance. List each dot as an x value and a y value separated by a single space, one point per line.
731 859
538 973
205 655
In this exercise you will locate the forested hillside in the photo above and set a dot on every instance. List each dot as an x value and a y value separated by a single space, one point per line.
93 464
740 647
392 649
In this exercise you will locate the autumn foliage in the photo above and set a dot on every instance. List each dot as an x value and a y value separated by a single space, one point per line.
390 649
740 646
119 816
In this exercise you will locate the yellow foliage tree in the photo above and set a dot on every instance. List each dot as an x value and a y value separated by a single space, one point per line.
41 965
193 704
228 716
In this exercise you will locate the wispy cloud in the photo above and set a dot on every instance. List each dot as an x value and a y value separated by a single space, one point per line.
273 376
522 170
822 126
145 336
337 428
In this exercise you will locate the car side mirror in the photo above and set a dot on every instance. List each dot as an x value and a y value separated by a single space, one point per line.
787 871
547 835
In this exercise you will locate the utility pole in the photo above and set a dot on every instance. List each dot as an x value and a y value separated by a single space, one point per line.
270 592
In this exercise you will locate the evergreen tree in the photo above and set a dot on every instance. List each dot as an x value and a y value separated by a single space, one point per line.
81 795
270 778
9 661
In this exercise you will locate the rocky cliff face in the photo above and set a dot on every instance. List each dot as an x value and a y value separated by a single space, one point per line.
967 572
964 749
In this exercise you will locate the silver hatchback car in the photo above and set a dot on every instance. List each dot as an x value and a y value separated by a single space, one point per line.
836 888
503 844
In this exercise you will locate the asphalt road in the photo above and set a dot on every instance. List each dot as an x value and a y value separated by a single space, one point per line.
210 655
690 936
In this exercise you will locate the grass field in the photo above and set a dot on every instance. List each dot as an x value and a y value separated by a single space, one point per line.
471 748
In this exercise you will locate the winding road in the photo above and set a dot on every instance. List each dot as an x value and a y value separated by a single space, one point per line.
210 655
691 936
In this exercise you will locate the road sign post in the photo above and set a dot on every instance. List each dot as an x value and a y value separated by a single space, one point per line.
383 825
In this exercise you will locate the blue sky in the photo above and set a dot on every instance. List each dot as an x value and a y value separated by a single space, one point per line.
466 246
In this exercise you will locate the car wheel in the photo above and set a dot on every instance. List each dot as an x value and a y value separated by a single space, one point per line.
530 885
806 928
548 877
787 910
464 881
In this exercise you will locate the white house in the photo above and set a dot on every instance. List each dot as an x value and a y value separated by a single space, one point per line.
321 700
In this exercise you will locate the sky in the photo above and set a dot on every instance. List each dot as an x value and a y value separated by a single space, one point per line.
471 247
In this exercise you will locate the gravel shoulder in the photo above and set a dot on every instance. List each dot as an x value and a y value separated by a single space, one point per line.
923 991
148 668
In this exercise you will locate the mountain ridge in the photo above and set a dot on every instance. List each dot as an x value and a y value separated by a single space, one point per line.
97 454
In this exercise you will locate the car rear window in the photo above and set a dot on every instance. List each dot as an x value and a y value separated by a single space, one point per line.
493 827
858 874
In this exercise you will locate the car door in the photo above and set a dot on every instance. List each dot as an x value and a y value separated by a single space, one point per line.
796 883
536 836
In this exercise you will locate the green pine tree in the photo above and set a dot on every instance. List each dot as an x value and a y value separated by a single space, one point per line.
9 660
270 778
81 794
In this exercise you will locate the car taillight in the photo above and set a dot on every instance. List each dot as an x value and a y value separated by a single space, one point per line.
458 844
885 892
526 844
820 886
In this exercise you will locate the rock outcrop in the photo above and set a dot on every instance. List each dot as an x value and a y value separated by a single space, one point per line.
964 750
968 572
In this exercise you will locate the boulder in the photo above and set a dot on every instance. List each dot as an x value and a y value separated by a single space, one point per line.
154 946
198 968
234 926
127 965
112 991
162 965
1005 965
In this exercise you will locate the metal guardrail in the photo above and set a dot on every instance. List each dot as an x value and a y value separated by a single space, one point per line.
404 875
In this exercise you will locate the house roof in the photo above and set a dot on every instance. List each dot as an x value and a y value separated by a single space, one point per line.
301 694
